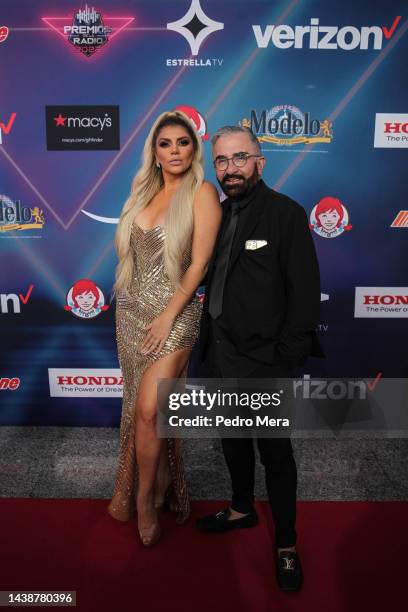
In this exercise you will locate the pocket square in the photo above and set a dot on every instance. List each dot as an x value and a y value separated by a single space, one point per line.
252 245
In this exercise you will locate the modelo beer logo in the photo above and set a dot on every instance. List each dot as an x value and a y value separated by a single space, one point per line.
14 216
329 218
85 300
287 125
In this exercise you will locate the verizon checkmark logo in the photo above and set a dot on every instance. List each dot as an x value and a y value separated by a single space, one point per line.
372 385
388 32
10 303
334 389
5 127
324 37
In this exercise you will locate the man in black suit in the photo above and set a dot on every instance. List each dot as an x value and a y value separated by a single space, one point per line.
260 312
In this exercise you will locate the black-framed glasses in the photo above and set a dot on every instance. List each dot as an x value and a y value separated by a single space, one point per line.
238 159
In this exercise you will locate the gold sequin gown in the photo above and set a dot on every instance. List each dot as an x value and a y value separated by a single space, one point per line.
149 294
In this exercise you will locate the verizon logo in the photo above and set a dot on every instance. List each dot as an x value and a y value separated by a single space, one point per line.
336 389
10 303
316 36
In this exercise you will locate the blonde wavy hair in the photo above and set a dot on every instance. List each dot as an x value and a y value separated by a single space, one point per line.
179 218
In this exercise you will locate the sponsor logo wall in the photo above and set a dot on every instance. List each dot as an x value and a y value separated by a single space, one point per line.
323 91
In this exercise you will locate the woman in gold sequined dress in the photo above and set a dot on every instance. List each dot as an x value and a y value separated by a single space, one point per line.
164 241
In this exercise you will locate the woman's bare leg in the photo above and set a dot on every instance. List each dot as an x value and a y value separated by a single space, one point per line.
148 445
163 476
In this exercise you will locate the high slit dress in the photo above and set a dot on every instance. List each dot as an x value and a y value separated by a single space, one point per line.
149 293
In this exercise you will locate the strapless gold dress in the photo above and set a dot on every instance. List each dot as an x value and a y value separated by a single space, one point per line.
149 294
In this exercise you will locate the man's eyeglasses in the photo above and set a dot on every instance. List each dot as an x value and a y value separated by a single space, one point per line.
238 159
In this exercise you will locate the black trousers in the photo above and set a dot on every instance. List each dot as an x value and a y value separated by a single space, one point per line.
276 455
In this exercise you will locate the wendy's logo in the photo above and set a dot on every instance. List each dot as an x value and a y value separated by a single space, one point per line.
85 299
329 218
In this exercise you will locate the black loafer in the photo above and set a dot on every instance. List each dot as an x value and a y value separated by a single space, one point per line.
289 571
218 523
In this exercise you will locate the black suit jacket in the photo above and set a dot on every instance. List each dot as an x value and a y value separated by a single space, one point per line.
272 294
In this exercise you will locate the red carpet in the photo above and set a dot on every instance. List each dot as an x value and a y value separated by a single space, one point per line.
353 553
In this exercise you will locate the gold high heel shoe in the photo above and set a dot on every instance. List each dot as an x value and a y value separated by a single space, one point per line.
149 536
164 502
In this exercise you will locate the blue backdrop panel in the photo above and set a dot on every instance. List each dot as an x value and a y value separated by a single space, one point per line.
323 74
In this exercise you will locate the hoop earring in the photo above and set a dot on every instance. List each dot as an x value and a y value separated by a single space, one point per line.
158 164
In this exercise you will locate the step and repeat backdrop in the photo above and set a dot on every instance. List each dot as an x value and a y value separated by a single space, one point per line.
321 84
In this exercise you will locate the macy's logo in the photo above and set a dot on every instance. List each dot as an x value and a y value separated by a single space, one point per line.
83 122
14 301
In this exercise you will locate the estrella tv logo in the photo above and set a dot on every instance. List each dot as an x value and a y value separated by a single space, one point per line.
316 36
88 31
85 300
6 127
195 26
285 125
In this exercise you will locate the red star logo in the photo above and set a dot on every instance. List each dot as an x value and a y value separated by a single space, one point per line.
60 120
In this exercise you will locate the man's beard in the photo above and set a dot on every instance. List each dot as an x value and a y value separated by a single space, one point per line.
241 189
